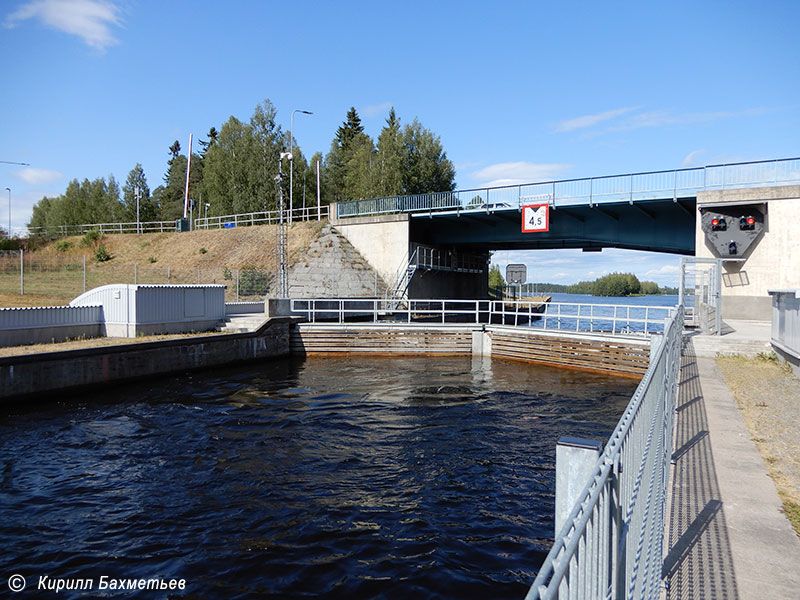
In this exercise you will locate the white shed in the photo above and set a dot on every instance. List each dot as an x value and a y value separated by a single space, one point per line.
131 310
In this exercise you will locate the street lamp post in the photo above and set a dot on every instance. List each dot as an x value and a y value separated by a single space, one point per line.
291 159
8 235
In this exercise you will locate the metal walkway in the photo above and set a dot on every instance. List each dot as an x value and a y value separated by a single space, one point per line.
699 563
726 535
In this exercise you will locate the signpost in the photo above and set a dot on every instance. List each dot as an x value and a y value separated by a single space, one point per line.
535 217
516 275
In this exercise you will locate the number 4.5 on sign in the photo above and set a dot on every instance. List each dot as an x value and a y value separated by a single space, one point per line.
535 217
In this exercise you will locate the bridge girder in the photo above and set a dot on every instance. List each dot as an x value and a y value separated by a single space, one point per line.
666 225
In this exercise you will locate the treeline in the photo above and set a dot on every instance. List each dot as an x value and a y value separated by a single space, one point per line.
615 284
236 165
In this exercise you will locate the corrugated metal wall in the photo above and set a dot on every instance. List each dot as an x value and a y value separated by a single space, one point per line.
49 316
151 304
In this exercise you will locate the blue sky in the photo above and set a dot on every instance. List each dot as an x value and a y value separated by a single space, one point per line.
517 91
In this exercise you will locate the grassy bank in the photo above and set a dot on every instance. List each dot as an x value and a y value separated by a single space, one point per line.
767 395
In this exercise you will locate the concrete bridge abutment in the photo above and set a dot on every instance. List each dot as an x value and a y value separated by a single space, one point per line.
771 262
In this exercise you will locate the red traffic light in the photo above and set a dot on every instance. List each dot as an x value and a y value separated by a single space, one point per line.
718 224
747 223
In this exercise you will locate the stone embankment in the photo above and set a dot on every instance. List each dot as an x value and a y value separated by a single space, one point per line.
333 268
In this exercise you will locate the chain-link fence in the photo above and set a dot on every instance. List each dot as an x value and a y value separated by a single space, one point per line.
63 278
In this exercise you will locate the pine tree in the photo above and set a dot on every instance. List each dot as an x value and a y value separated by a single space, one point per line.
147 210
390 158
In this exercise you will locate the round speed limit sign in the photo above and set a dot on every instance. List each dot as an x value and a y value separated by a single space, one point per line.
535 217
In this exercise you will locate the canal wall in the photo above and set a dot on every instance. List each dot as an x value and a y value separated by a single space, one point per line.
54 372
70 370
595 352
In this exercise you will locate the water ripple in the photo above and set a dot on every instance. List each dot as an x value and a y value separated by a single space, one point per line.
342 478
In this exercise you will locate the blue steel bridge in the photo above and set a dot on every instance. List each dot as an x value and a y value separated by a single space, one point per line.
641 211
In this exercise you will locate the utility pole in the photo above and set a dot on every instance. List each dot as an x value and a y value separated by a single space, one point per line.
137 192
319 207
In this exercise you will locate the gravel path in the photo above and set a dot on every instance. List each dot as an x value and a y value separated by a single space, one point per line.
768 396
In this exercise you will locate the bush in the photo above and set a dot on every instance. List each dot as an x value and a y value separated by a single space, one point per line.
101 254
203 250
63 245
253 281
151 260
10 244
90 237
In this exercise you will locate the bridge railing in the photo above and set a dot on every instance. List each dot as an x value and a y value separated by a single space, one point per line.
563 316
610 546
630 187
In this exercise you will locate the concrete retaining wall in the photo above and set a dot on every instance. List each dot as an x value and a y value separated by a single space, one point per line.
38 374
382 240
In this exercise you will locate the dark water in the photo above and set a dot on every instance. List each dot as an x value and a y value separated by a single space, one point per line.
336 478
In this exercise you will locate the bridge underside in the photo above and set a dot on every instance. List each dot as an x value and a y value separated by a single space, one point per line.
656 225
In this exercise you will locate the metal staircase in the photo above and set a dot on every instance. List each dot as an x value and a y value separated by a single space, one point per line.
397 293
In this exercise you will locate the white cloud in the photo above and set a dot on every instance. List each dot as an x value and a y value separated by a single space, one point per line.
376 109
38 176
513 173
590 120
663 270
466 165
91 20
663 118
691 158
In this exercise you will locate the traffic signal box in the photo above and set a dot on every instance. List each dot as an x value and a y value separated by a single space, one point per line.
731 230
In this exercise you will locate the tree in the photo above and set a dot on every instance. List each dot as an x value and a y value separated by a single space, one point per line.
87 202
347 165
616 284
426 168
496 278
267 144
174 150
147 208
390 158
206 144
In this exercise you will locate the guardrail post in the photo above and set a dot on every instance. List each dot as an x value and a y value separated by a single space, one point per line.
575 461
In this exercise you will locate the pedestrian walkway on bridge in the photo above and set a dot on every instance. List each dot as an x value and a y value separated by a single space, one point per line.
725 534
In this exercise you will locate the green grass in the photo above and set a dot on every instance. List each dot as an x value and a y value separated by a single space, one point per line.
792 512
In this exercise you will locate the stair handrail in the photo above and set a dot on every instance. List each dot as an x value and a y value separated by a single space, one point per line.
402 279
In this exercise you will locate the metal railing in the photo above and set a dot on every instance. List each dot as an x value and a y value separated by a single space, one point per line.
786 321
270 217
596 318
611 544
631 187
134 227
219 222
436 259
700 292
